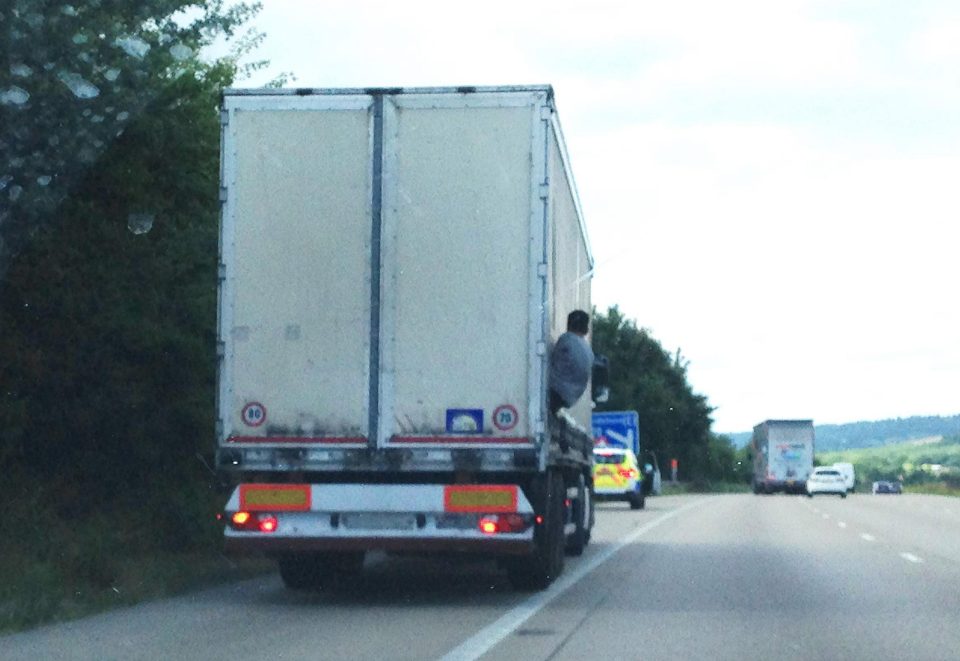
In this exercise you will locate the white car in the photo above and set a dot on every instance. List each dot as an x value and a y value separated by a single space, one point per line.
849 475
826 479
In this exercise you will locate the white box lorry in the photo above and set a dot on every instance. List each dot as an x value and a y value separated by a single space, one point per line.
395 265
782 455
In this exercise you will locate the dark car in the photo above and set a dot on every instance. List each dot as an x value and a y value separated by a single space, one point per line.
887 487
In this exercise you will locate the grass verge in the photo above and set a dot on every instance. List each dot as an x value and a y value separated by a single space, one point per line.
57 565
683 488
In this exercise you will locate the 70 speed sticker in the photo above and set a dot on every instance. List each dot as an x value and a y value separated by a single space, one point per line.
505 417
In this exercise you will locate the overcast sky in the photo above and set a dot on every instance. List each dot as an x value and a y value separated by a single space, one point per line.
772 187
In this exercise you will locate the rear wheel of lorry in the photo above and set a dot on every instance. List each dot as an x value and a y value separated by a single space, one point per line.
311 571
578 541
538 570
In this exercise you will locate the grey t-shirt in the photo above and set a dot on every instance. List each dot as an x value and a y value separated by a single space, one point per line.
571 362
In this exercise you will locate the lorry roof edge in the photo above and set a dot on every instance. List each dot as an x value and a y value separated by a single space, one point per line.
458 89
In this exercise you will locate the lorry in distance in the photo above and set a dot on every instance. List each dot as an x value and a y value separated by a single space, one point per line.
395 266
782 455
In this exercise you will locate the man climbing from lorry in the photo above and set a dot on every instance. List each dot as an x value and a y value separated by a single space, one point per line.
570 363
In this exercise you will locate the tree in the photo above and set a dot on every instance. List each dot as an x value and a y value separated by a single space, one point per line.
78 75
107 361
674 421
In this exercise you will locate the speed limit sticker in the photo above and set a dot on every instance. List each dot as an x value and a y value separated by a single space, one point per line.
254 414
505 417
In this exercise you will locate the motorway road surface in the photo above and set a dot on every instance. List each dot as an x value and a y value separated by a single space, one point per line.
691 577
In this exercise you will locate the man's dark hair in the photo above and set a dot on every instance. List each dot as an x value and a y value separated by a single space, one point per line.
578 321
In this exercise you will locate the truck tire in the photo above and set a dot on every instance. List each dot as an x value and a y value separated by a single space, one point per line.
578 541
314 571
538 570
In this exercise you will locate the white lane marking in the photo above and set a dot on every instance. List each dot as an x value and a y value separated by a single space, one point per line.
841 524
488 637
867 536
909 557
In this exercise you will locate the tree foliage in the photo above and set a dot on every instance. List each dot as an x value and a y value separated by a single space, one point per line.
674 421
77 76
107 366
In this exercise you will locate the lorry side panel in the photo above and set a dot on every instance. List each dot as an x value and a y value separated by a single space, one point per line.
294 318
456 267
570 259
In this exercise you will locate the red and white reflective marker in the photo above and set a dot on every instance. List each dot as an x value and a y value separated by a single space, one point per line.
254 414
505 417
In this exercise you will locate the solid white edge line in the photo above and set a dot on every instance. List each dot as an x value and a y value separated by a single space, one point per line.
491 635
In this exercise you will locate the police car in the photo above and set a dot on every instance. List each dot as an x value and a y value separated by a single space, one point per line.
617 476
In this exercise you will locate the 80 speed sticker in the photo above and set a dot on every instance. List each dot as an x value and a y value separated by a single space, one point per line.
254 414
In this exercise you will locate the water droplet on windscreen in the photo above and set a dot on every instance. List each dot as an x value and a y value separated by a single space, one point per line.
68 10
21 70
14 96
111 74
181 52
80 38
123 116
15 192
133 46
140 223
4 180
44 180
81 88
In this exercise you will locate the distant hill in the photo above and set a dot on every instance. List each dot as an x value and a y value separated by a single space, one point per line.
873 434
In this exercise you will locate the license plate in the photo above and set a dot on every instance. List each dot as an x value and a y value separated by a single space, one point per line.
378 521
278 497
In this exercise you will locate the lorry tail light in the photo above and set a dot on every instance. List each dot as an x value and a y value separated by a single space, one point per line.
508 523
268 523
254 522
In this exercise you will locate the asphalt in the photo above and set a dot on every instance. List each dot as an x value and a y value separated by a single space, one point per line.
691 577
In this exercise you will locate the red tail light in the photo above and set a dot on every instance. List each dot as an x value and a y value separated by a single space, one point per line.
268 523
254 522
628 473
509 523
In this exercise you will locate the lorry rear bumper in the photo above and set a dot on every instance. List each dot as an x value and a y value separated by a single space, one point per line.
491 545
493 518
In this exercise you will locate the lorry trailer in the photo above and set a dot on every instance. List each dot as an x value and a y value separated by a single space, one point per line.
395 266
782 455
